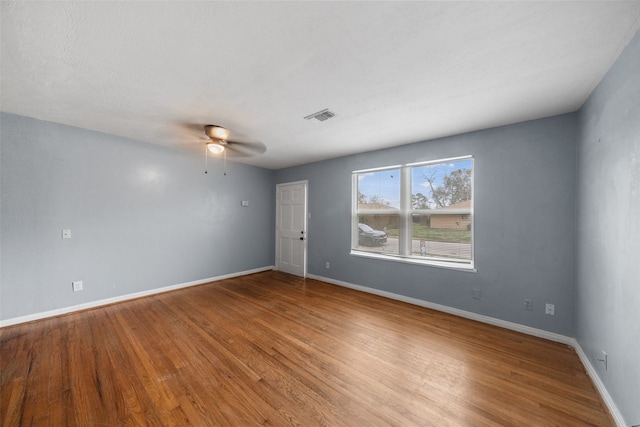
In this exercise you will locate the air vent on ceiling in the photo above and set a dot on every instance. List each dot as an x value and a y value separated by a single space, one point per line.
320 116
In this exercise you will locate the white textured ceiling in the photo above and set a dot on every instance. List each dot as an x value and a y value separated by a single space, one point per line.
393 72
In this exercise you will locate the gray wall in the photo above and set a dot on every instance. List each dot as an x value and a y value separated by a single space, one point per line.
608 231
142 216
524 213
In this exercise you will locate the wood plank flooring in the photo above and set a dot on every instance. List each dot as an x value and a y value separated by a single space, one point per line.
277 350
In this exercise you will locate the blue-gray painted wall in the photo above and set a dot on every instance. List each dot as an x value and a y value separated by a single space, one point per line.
141 216
524 223
608 231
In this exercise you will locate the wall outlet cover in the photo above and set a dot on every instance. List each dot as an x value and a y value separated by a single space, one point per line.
550 309
604 358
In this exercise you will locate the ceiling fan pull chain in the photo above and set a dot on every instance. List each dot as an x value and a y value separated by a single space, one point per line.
206 159
225 162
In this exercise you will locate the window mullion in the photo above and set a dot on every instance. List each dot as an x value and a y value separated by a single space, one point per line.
354 210
404 233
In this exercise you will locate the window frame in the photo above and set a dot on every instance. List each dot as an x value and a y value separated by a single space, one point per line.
405 215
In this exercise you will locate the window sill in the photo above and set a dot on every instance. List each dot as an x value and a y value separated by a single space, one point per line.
426 262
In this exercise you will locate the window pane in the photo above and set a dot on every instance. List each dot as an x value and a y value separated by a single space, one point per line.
445 239
441 202
379 190
439 185
378 211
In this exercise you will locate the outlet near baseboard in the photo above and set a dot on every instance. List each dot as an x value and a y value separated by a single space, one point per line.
604 358
550 309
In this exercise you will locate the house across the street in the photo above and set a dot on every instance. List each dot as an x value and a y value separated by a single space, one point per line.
454 217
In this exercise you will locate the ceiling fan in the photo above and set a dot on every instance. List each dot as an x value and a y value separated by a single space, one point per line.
219 143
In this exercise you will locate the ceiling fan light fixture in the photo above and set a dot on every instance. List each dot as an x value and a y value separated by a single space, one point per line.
216 132
215 147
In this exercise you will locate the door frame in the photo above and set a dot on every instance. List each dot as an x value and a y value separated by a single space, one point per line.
305 184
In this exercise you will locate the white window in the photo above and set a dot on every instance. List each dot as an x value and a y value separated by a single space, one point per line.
418 213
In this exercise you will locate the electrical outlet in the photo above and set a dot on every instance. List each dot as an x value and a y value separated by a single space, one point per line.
550 309
604 358
476 293
528 304
327 265
66 233
77 286
244 203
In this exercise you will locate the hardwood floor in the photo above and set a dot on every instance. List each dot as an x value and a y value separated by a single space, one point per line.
278 350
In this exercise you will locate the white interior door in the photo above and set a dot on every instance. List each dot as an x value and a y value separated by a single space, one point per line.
291 228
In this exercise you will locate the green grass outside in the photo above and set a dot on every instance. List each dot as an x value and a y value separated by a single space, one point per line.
423 232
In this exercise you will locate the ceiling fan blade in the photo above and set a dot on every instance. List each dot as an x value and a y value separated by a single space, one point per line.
189 133
237 149
189 127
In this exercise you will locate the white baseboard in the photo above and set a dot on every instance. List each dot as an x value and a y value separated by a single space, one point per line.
613 409
92 304
457 312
